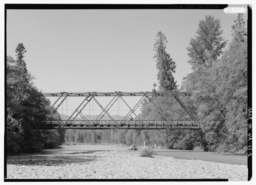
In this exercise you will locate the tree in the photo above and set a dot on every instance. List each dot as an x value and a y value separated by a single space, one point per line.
219 93
17 81
239 28
204 51
35 111
164 63
207 46
168 105
233 79
27 109
20 51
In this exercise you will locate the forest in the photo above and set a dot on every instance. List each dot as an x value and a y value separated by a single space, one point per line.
216 92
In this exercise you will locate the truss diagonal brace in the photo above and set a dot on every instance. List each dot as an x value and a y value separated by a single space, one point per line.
52 107
81 114
134 108
55 109
78 108
102 107
128 106
109 105
160 111
184 107
80 111
103 112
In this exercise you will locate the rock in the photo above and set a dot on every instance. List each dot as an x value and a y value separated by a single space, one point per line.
134 147
123 165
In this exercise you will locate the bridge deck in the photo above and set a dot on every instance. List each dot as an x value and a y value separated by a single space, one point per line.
120 124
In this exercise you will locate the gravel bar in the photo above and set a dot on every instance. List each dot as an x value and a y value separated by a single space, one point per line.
129 165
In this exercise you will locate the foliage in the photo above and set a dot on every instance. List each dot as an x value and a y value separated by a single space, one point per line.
20 51
27 109
14 134
234 69
207 46
54 138
198 149
219 94
164 63
147 152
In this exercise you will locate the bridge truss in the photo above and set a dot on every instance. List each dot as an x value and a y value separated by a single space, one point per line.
72 122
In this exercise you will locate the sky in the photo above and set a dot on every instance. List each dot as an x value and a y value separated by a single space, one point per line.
103 50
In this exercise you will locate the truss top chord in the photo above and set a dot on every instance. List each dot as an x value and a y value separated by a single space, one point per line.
117 93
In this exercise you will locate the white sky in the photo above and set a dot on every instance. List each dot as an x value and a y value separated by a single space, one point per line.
103 50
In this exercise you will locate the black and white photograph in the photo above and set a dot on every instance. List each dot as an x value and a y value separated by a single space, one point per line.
127 92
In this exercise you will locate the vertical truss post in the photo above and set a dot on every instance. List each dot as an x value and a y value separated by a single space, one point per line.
102 107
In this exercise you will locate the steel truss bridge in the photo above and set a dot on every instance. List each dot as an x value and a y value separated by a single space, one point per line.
126 123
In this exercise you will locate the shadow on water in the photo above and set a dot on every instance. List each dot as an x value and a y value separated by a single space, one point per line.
88 152
48 158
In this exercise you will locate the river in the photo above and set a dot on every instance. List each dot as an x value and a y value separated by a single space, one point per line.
72 153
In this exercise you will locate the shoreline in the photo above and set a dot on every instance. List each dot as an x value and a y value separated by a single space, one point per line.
225 158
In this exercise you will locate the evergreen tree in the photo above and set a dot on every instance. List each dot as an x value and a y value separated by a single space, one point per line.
204 50
164 63
20 51
27 109
219 93
233 88
17 83
207 46
239 28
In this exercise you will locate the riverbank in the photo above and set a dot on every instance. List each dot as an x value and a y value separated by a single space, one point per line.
72 162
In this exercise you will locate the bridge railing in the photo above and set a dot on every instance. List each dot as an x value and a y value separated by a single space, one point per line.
132 124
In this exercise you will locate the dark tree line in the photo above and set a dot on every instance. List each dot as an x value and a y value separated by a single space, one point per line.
217 88
26 110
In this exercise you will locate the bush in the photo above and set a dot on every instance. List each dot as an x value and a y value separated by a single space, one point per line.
50 145
198 149
242 151
147 152
221 149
